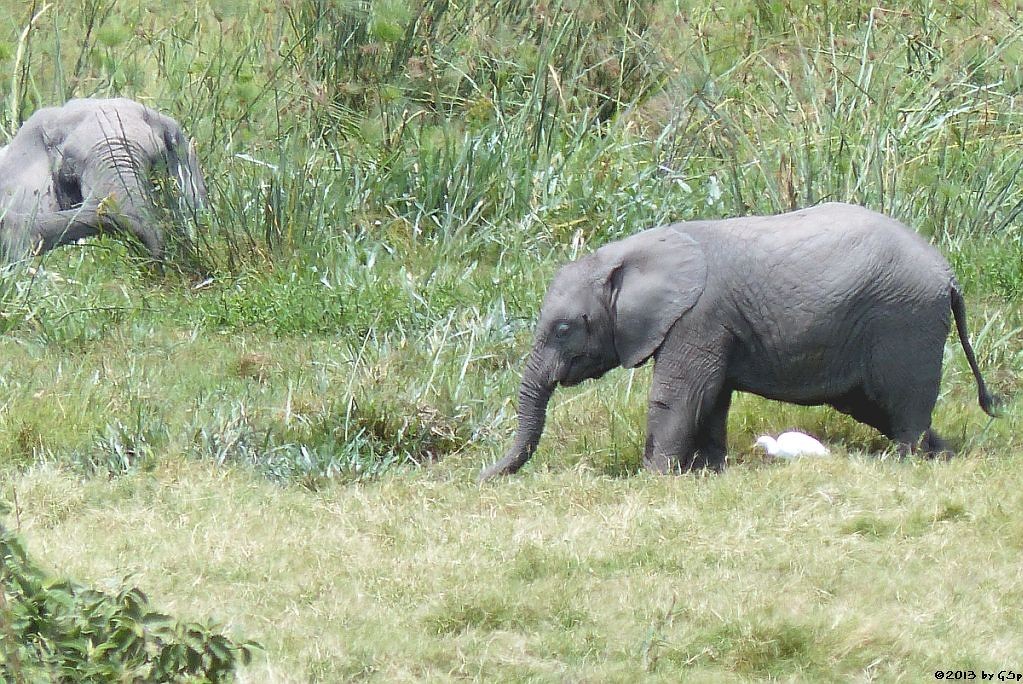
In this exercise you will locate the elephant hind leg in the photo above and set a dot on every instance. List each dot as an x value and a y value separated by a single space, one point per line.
905 420
904 379
860 406
909 407
898 403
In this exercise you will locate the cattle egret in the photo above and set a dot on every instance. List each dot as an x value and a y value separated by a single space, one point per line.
792 445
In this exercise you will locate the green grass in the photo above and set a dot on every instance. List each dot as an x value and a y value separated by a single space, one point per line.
282 431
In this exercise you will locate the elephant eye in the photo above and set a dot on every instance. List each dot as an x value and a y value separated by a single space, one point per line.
562 328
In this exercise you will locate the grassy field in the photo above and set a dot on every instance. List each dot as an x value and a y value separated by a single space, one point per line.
282 431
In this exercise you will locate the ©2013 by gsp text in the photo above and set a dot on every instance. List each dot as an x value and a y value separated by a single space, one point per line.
981 675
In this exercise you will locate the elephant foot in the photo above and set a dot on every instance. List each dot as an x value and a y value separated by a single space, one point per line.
660 464
697 463
929 445
713 460
935 447
715 466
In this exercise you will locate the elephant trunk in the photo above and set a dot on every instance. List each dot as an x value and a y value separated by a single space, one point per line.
534 395
52 229
118 188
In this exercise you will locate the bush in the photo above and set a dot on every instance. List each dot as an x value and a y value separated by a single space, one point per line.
56 630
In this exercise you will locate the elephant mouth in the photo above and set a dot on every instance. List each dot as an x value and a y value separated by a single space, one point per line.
571 376
581 368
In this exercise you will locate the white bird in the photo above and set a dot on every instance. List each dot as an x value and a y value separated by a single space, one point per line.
792 445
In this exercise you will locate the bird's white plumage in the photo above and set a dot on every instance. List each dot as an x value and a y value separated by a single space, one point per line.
792 445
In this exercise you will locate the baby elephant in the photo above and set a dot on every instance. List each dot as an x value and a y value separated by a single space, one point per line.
831 305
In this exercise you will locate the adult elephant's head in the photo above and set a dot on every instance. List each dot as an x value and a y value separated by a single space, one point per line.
610 308
87 168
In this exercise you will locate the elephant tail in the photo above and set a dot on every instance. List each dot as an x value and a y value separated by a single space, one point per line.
988 402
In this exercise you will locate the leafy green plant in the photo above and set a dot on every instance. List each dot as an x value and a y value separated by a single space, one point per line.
57 630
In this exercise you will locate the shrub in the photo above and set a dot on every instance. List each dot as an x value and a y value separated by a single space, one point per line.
56 630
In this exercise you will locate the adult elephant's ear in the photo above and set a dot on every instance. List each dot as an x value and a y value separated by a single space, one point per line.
651 279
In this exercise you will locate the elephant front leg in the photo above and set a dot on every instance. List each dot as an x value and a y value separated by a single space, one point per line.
686 426
670 439
712 438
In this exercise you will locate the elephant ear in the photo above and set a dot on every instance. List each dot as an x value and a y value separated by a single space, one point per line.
651 278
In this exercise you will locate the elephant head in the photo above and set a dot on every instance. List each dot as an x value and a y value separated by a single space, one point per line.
610 308
87 168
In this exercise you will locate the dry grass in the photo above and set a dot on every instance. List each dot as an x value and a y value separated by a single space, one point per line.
819 570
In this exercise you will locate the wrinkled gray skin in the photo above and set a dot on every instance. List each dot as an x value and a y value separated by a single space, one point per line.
830 305
82 169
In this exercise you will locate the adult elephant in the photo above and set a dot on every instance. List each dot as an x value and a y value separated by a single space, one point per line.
830 305
87 168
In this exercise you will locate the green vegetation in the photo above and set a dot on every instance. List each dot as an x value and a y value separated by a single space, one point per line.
57 630
281 432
